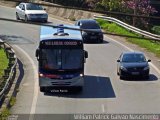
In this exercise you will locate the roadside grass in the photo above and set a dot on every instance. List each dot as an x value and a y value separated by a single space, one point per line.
4 114
3 61
147 44
12 101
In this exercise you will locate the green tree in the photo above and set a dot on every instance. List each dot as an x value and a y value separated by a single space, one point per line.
112 5
140 7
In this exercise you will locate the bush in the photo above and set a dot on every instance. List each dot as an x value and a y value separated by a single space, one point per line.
156 30
72 18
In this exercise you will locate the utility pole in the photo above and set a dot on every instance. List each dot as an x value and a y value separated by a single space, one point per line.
135 12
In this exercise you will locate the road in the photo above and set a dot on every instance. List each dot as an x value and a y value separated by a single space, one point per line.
103 91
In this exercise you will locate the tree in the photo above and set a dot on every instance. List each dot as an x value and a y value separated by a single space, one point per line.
140 7
112 5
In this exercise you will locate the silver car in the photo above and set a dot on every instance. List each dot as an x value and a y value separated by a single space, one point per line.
31 12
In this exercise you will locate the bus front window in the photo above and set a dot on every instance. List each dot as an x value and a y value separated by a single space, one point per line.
64 59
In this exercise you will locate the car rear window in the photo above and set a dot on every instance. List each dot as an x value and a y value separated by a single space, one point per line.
133 58
90 25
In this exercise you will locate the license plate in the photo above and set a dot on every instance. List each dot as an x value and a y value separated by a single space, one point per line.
93 37
135 73
59 91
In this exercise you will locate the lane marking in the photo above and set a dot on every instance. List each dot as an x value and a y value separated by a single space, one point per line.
103 110
35 94
132 51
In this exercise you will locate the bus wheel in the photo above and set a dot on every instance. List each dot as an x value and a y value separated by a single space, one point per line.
42 89
79 88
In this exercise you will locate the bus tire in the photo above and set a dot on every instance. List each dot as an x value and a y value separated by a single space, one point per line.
42 89
146 77
79 88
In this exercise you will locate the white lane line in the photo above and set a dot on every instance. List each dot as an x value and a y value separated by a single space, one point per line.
35 93
103 110
133 50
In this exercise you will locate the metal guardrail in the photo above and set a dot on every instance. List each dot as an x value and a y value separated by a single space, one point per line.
131 28
11 70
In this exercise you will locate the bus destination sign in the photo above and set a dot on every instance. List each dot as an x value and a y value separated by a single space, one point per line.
63 43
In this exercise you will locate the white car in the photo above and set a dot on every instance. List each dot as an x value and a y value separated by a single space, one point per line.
31 12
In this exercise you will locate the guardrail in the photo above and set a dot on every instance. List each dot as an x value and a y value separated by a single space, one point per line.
10 72
131 28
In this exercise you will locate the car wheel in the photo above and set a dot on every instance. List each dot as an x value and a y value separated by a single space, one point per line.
101 41
77 89
45 21
17 17
26 19
42 89
80 88
121 78
146 77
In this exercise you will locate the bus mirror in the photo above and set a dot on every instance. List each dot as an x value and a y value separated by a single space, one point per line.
118 60
86 54
37 53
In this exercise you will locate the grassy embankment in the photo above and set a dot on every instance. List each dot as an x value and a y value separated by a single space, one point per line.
3 65
114 28
3 62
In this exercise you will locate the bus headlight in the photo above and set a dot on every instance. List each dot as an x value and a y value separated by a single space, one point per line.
41 75
81 75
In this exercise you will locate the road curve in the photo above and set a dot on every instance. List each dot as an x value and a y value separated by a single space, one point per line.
103 91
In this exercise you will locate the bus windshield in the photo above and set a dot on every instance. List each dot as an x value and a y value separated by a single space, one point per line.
61 59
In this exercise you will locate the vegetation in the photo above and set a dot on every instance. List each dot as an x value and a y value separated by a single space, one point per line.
4 114
140 7
134 7
72 18
12 101
149 45
110 5
3 61
75 3
156 30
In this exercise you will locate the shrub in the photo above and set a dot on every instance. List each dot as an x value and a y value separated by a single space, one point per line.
156 30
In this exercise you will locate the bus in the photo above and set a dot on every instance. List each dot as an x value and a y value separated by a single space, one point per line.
61 57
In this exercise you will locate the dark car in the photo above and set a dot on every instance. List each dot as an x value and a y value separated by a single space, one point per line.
94 35
133 64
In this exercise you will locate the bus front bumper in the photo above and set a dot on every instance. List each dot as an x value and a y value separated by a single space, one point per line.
47 82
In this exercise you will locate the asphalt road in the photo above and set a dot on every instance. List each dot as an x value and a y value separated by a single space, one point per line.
103 91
